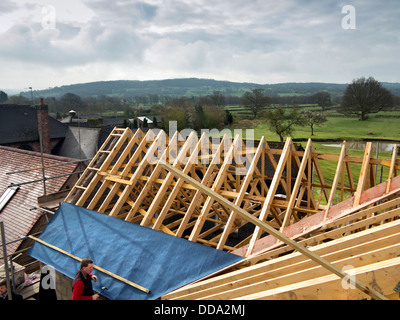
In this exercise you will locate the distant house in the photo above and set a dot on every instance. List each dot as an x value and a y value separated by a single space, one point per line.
92 118
80 142
20 126
146 122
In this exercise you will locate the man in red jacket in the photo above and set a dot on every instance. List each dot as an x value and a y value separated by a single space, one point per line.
82 285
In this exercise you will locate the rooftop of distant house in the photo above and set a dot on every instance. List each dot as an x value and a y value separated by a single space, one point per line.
19 124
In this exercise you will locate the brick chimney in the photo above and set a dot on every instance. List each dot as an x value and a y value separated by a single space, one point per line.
42 111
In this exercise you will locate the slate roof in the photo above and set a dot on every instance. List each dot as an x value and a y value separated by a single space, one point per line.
18 123
18 219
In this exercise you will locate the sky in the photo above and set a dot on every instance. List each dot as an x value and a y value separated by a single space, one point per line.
52 43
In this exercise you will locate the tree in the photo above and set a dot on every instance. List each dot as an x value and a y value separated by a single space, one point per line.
3 97
178 110
228 117
214 117
282 123
323 99
312 118
70 101
198 117
365 96
255 101
218 99
19 99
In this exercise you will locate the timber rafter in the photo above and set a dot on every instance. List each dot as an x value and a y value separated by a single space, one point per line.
284 187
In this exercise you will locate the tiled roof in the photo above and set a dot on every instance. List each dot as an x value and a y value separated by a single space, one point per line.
19 124
18 219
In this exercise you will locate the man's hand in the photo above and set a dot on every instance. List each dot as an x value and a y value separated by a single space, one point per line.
94 277
95 296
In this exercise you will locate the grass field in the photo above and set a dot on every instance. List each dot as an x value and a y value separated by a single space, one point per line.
338 129
335 129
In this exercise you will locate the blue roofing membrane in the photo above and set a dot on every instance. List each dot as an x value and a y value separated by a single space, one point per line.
152 259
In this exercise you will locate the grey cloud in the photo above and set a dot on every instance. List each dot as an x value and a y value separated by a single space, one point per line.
123 11
68 31
69 45
7 6
239 40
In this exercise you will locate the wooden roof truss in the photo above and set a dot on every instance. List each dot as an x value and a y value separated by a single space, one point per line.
282 187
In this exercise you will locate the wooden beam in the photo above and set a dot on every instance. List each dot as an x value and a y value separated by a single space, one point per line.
348 226
167 184
216 159
339 241
127 168
336 178
216 186
148 184
329 287
363 174
392 168
90 177
349 174
319 173
268 268
297 184
137 137
158 142
267 228
94 266
190 162
306 183
271 192
273 276
314 222
242 192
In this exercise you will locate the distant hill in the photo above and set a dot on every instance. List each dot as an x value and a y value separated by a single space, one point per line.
193 87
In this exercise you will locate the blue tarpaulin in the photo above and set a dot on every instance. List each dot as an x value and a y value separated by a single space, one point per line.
152 259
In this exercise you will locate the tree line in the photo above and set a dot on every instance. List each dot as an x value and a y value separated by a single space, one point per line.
364 96
103 103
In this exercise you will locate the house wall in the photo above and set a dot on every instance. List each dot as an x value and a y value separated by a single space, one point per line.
63 284
63 287
35 145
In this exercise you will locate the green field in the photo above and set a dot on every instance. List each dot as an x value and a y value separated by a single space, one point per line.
337 129
380 126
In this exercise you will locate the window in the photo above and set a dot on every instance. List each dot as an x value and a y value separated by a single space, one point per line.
6 196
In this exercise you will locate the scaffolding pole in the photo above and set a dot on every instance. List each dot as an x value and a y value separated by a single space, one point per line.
3 243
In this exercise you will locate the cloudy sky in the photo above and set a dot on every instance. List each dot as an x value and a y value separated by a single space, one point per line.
51 43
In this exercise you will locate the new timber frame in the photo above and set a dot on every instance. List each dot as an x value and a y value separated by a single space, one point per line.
284 187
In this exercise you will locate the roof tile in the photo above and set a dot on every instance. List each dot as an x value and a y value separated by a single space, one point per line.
17 217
